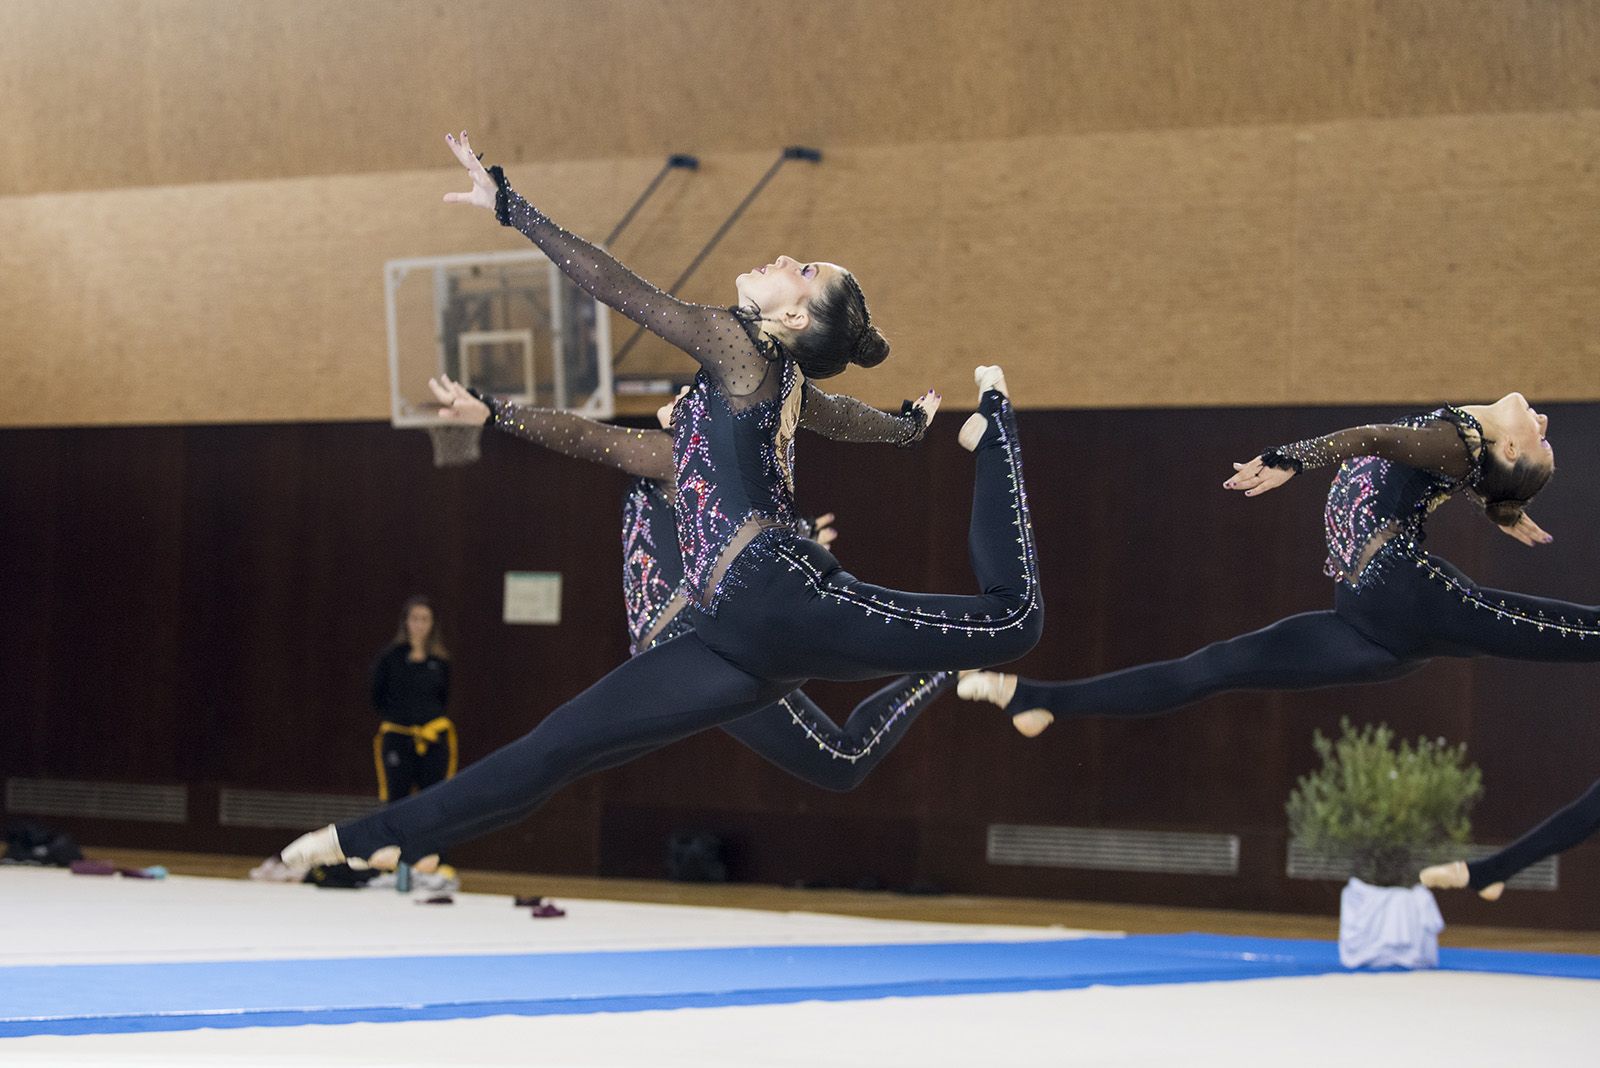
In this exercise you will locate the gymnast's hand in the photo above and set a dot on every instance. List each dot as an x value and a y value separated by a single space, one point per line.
928 404
1527 531
822 531
456 403
1256 477
483 188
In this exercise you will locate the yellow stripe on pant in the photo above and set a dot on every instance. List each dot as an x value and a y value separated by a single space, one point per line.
423 737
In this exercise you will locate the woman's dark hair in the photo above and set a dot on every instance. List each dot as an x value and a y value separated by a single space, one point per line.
841 333
1506 488
436 645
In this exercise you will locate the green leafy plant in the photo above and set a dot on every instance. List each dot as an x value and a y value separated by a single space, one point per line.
1388 810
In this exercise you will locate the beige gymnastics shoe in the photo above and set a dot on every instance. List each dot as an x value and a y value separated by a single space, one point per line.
320 846
1455 876
998 689
987 377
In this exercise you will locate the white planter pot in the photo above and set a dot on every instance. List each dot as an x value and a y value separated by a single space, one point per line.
1388 926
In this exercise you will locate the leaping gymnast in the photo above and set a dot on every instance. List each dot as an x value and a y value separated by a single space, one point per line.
770 609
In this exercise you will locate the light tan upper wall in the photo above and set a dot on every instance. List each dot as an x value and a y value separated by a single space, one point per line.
98 94
1405 260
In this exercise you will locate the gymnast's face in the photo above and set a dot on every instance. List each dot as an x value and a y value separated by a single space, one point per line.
419 624
784 289
1523 431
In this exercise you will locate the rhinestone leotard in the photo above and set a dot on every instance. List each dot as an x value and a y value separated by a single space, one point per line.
1391 477
734 452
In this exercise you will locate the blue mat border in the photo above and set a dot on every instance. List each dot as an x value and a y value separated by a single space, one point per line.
1161 960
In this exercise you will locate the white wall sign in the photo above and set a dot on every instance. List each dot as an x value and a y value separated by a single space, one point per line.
533 597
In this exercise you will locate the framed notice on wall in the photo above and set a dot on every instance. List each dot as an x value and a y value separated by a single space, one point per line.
533 597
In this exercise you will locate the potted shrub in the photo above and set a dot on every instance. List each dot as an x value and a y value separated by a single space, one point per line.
1388 811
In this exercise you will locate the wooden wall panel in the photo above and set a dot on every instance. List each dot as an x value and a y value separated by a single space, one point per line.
163 92
1359 261
201 605
1427 247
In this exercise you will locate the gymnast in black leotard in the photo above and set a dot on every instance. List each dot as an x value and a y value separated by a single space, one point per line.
770 609
793 733
1395 606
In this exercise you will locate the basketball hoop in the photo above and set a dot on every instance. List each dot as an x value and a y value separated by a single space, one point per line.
455 444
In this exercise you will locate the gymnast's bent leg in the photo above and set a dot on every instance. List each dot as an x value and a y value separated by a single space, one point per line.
800 738
834 626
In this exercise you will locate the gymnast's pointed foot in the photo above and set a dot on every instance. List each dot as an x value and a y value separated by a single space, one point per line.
989 686
990 379
1451 876
320 846
1454 876
998 689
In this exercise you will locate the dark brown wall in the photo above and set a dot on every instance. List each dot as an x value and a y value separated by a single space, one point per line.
201 605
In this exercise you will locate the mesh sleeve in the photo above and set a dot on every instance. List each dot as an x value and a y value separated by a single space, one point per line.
847 419
715 337
643 453
1434 445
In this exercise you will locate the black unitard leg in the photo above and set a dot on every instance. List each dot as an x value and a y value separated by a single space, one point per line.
834 626
794 623
1461 618
670 692
1299 653
796 735
1555 835
800 738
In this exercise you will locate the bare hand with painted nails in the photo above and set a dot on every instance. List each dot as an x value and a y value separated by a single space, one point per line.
1255 477
456 403
483 189
928 404
1527 532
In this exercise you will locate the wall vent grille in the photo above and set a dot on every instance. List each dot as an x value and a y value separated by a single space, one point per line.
1100 849
277 808
98 800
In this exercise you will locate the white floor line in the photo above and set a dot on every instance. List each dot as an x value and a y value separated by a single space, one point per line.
59 918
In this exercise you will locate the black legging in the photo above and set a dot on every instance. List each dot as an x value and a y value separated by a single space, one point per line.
1555 835
1420 607
800 738
796 735
790 614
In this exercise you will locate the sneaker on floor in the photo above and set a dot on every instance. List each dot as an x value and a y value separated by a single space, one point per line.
274 870
443 881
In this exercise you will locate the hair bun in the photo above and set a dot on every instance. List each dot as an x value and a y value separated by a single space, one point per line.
1506 513
871 349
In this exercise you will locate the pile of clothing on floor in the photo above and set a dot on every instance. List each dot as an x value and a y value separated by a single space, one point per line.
343 877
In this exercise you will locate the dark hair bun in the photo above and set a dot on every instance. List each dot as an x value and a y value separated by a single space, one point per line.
1504 513
871 350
